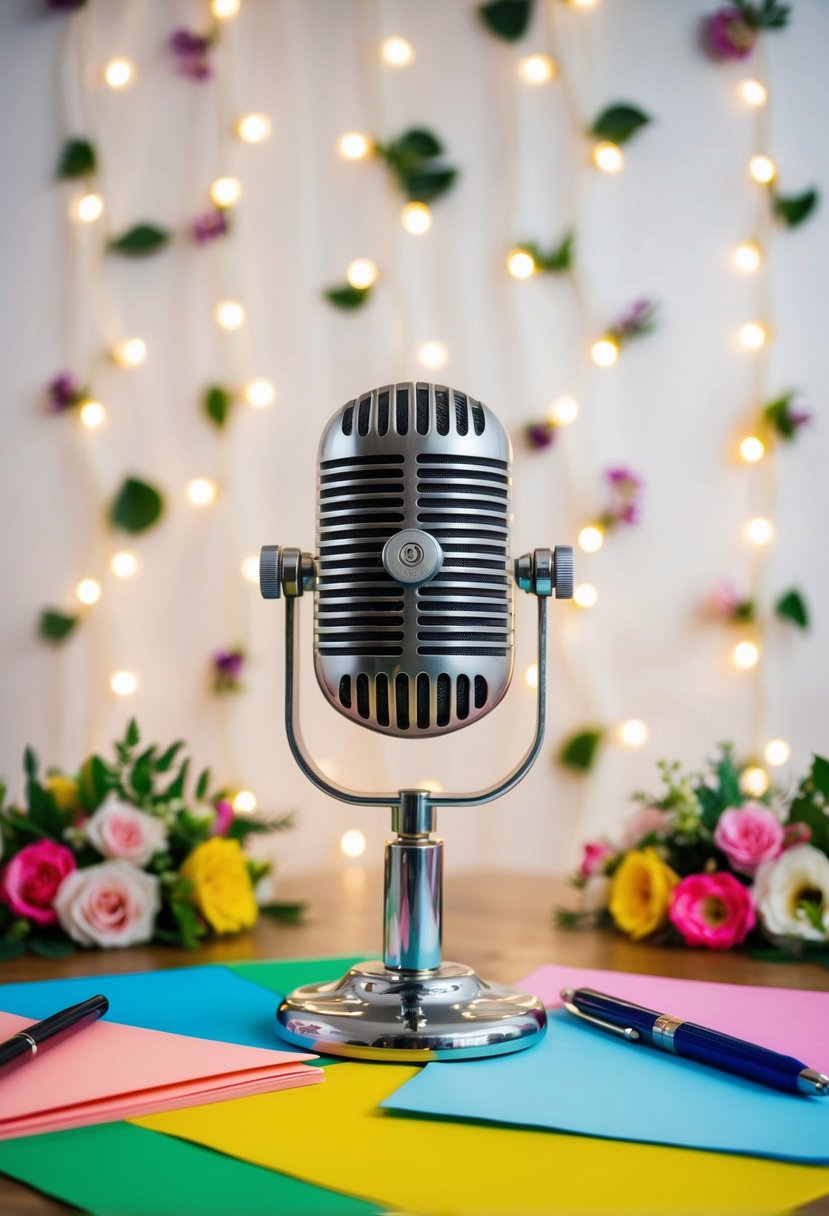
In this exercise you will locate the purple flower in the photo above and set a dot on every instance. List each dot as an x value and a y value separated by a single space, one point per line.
799 418
625 492
730 33
191 51
224 818
209 225
638 319
227 670
540 435
64 392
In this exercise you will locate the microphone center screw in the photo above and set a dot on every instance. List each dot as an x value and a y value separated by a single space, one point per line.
411 555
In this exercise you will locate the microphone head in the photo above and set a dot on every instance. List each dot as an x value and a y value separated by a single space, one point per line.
413 600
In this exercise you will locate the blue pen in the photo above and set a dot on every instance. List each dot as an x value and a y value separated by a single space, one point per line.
723 1051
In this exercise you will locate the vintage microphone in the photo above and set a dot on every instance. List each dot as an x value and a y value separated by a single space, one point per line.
413 637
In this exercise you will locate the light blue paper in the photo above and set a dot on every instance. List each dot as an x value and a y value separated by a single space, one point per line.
579 1079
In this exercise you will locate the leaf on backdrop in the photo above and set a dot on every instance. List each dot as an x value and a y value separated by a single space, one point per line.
793 209
791 606
579 750
136 507
347 297
508 19
140 240
619 122
425 185
77 159
56 626
217 402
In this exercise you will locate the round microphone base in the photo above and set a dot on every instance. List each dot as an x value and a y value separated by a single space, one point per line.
373 1013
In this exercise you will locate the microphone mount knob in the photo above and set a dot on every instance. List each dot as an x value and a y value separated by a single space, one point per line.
288 572
545 571
412 557
270 572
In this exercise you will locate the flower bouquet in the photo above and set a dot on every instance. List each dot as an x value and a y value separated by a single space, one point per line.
708 864
119 854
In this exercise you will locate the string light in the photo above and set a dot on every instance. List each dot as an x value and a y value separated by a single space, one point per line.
223 10
537 69
520 264
432 354
118 73
353 145
759 530
591 539
563 411
608 157
353 843
201 491
123 683
747 256
762 169
130 352
431 785
633 733
416 218
226 191
245 802
777 752
87 208
605 352
253 128
260 393
88 591
531 676
752 335
752 449
92 415
753 92
746 655
397 52
754 781
361 273
250 568
230 314
582 3
585 595
123 564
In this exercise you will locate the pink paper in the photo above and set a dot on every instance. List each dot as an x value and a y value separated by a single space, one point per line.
788 1020
108 1071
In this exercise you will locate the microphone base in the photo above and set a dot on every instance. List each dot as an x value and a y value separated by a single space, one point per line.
377 1013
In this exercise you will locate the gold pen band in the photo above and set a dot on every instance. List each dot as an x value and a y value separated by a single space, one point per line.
21 1034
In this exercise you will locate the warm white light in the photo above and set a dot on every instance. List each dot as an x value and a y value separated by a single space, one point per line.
746 655
397 52
537 69
123 564
224 9
201 491
88 591
226 191
759 530
353 843
87 208
633 733
123 683
762 169
520 264
253 128
430 784
582 3
752 335
563 411
747 256
92 415
118 73
416 218
591 539
531 676
608 157
260 393
432 355
585 595
754 781
129 352
353 145
229 314
752 449
753 92
361 273
245 802
250 568
777 752
605 352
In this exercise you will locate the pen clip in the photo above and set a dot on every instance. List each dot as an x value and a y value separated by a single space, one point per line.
624 1032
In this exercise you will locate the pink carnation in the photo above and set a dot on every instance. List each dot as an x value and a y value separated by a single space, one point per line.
712 910
644 822
748 835
596 853
224 818
31 880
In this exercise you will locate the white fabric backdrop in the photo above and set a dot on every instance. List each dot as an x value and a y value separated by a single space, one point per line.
662 228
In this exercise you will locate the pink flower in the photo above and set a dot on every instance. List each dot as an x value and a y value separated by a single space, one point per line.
644 822
118 829
748 835
223 820
729 33
596 853
712 910
32 878
111 904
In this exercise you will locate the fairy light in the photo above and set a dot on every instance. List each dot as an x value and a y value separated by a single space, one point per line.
432 355
123 564
201 491
88 591
416 218
585 595
762 169
260 393
582 3
226 191
123 683
229 314
223 10
754 781
353 843
608 157
633 733
759 530
752 335
130 352
353 145
605 352
250 568
253 128
747 257
520 264
563 411
752 92
777 752
591 539
537 69
244 802
87 208
397 52
531 676
752 449
430 784
745 655
92 415
361 273
118 73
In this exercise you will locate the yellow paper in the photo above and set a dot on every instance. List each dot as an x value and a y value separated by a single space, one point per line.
333 1135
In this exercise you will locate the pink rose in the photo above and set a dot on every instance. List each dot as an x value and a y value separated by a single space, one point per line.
713 910
111 904
748 835
596 853
31 880
644 822
118 829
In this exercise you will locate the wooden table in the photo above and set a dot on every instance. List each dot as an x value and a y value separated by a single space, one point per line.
498 923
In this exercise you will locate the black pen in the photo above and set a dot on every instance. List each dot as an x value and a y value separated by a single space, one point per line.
41 1035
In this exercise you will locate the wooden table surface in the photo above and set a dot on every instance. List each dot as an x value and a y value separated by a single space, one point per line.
499 923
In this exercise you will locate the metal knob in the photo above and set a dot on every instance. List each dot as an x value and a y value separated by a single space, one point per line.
563 571
545 571
412 557
270 572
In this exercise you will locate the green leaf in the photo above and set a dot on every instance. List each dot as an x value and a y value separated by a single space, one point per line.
30 763
791 606
141 777
619 122
560 258
347 297
56 626
77 159
771 15
820 776
803 810
793 209
416 144
248 825
133 736
579 750
25 825
217 402
51 947
165 760
288 913
10 949
136 506
191 926
202 784
776 954
140 240
813 912
423 185
506 19
176 789
728 780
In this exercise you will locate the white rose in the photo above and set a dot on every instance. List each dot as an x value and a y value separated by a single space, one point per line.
111 904
119 830
781 886
596 893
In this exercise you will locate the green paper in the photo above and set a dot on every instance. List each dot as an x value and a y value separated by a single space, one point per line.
282 975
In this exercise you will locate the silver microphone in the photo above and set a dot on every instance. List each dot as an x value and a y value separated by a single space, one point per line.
413 599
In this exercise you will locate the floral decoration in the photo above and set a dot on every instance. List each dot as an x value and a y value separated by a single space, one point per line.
192 53
227 670
731 32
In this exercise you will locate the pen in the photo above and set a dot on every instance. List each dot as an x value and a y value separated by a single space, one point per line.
41 1035
681 1038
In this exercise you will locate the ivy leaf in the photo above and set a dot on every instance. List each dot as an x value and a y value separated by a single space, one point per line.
347 297
423 185
136 506
56 626
579 750
77 159
792 607
619 122
416 144
793 209
11 948
51 947
217 402
288 913
140 240
506 19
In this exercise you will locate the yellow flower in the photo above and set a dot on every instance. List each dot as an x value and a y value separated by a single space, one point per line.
64 790
222 892
641 893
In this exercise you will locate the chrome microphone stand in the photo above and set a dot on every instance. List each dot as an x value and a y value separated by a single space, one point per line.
412 1006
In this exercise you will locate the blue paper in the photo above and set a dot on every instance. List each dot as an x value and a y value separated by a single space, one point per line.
579 1079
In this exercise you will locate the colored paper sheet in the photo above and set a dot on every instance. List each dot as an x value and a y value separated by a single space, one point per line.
282 975
581 1079
335 1136
118 1170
